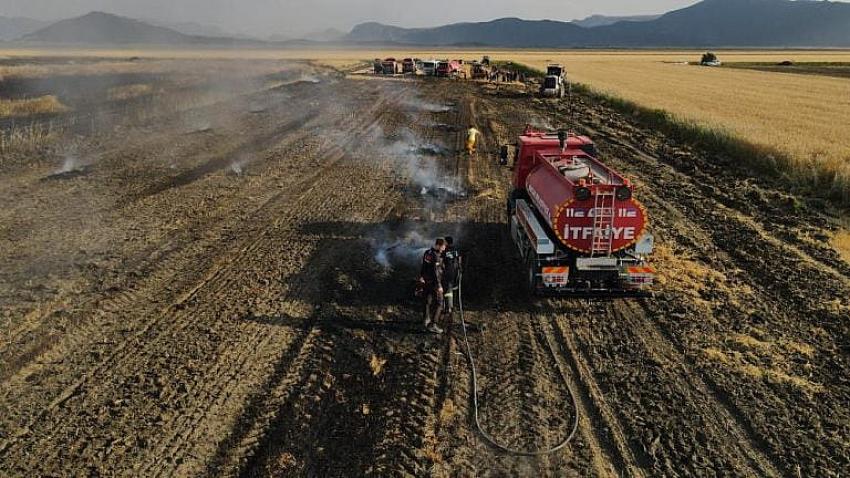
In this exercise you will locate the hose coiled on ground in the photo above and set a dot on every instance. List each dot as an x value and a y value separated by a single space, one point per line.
483 433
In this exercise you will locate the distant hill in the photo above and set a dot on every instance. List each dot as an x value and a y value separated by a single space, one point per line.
190 28
505 32
105 28
602 20
756 23
99 27
12 28
710 23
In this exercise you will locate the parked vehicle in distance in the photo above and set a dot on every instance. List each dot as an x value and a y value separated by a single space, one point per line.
408 66
390 66
448 68
429 68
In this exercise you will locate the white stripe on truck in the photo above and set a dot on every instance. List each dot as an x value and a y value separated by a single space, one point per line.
533 229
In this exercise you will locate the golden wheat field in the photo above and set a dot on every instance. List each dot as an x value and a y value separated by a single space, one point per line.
805 116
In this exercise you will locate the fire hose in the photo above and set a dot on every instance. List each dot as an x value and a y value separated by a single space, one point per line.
513 451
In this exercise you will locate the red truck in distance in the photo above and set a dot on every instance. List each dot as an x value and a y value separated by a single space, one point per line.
448 68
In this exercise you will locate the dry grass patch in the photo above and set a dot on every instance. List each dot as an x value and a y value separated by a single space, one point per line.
756 355
841 243
377 365
31 106
448 411
127 92
26 140
690 277
737 362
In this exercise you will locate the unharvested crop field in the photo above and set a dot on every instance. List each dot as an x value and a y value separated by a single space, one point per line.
803 116
211 278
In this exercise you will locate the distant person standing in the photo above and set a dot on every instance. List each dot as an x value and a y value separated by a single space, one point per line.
431 277
472 136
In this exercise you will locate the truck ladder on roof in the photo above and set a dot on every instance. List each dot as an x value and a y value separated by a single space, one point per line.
603 223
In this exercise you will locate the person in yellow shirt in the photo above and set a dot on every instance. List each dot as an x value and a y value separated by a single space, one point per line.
472 136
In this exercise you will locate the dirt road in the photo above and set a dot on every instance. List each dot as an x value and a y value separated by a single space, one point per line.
234 300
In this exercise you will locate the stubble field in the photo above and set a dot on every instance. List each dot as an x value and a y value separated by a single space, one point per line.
212 279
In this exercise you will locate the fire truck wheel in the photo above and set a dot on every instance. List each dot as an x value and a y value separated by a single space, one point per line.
531 274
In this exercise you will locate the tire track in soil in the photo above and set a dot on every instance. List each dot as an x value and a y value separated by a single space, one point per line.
735 242
755 462
672 424
528 396
600 447
729 419
780 287
604 427
185 299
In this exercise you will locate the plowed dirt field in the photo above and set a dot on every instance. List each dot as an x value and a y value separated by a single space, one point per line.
234 299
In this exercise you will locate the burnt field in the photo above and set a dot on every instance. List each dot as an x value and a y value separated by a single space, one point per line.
224 289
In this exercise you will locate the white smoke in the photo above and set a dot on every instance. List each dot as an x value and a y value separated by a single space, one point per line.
309 78
405 249
239 165
415 159
69 164
418 104
539 122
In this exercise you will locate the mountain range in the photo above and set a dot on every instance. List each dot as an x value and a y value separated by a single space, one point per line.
709 23
101 28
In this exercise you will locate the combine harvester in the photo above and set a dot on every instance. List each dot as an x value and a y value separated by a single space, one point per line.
574 220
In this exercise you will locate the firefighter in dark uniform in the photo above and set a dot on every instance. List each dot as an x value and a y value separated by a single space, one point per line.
451 274
431 277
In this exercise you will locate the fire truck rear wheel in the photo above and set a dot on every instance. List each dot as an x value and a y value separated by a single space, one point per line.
531 274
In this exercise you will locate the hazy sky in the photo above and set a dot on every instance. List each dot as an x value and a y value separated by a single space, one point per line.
264 17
